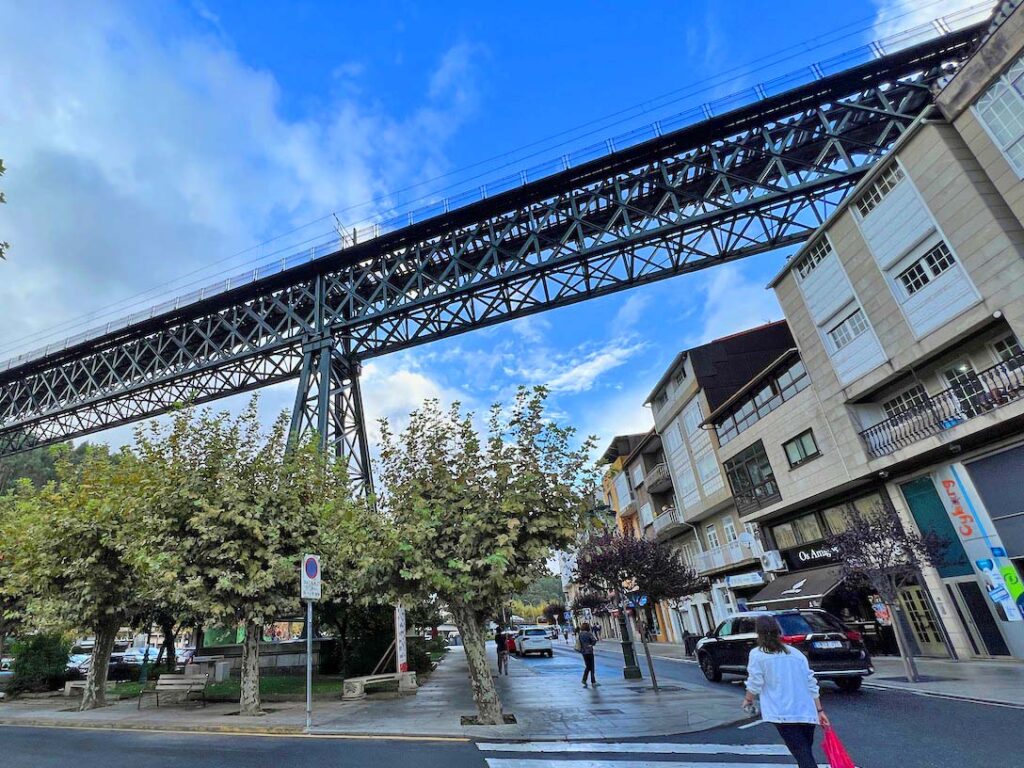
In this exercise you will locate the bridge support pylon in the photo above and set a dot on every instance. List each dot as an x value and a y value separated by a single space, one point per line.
330 402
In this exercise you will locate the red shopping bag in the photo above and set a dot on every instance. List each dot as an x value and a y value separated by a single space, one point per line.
835 751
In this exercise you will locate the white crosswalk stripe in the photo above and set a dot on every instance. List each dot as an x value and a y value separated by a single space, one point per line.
562 754
650 748
533 763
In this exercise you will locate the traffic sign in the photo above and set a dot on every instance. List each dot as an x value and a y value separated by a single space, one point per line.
309 577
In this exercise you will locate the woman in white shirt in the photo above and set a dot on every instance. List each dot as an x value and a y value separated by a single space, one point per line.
782 678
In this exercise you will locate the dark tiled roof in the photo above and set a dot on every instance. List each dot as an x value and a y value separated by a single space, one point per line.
724 366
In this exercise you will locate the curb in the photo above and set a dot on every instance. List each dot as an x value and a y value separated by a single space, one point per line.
947 696
270 730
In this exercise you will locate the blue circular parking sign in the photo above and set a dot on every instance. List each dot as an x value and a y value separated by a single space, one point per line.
312 569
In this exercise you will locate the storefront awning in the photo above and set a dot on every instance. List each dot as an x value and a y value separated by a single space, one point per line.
800 589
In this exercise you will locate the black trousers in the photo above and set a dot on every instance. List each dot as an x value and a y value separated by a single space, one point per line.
799 738
588 667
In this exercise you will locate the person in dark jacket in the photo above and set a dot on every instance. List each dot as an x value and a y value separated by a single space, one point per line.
501 640
587 640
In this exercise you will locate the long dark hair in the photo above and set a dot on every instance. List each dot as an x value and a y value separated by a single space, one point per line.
769 635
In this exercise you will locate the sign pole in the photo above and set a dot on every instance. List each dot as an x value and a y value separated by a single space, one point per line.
309 590
309 665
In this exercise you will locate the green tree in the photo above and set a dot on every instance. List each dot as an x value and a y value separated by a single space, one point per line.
234 513
73 554
641 569
542 590
471 519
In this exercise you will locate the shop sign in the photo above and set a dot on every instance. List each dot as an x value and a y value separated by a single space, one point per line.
753 579
997 573
810 556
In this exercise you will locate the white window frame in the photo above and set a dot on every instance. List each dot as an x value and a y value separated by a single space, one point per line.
937 260
816 254
1007 339
884 183
637 474
847 314
712 533
692 413
904 400
729 529
709 463
1011 85
624 499
674 436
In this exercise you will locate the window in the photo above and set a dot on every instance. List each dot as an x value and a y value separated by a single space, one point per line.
707 468
808 529
646 514
936 261
814 256
673 438
743 626
886 180
1007 348
638 475
780 388
692 418
751 528
869 507
785 536
622 490
679 376
908 400
660 399
751 478
1001 110
688 553
801 448
729 529
835 519
848 329
713 542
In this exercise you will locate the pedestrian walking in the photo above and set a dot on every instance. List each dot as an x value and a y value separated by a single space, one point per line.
781 677
585 641
596 629
501 641
565 633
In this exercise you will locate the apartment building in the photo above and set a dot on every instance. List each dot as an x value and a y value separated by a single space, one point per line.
907 385
703 522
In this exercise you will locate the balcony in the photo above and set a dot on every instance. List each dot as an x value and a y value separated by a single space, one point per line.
628 509
667 521
982 393
730 554
658 479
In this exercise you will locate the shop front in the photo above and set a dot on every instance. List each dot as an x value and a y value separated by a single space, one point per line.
814 579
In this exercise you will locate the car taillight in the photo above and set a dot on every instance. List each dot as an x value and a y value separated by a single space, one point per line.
853 635
793 639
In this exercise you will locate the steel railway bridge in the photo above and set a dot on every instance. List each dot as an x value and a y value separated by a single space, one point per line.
755 179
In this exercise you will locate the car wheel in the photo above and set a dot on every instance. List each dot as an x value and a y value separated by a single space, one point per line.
850 684
551 654
709 668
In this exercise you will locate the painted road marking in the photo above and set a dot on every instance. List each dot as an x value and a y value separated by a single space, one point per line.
534 763
654 748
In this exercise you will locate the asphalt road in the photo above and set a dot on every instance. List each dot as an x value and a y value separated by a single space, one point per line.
880 728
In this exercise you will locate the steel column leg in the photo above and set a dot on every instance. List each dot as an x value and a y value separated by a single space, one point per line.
329 402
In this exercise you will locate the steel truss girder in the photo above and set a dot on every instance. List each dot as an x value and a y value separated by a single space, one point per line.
329 402
746 182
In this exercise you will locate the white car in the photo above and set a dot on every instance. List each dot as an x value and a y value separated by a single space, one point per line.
533 640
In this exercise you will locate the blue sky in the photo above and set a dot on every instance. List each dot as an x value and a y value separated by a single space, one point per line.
154 145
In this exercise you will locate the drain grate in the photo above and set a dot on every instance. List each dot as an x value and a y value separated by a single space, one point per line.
662 688
606 711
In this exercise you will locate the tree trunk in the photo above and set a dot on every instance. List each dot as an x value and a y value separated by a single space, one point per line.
647 650
488 705
901 642
95 693
249 702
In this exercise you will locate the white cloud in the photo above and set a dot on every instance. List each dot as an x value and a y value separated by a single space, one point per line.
895 16
582 375
140 148
392 388
622 414
732 303
633 309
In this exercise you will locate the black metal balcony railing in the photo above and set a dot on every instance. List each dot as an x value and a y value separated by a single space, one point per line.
977 394
763 494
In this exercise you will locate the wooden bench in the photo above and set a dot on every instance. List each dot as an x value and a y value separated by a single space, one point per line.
355 687
79 685
179 685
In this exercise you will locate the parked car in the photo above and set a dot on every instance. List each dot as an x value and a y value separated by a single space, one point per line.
533 640
834 652
137 655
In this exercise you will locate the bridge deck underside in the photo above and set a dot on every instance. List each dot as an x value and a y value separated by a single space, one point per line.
759 179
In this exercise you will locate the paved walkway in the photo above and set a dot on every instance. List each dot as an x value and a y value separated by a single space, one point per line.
544 695
1000 682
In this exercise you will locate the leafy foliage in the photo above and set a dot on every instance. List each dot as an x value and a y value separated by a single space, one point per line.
472 519
40 664
553 612
542 590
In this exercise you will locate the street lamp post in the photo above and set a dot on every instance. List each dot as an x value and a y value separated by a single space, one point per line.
630 669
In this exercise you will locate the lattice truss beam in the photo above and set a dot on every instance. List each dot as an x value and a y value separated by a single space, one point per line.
756 179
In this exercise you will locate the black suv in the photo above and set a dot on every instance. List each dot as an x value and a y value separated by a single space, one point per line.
834 652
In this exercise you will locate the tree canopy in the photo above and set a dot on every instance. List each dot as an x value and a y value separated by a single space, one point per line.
471 518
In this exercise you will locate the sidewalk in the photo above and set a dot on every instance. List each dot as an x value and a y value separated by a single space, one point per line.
997 682
543 694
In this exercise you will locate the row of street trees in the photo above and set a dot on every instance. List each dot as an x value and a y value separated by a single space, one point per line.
207 517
